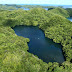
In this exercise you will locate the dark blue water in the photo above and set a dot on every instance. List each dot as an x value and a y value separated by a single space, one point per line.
39 45
70 19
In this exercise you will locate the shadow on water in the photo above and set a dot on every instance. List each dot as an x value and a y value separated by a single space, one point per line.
39 45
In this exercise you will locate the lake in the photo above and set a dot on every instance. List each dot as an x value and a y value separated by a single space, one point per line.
39 45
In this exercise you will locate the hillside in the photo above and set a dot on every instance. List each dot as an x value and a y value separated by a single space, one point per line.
14 56
60 11
69 10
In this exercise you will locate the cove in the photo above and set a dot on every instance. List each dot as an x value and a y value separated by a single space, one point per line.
39 45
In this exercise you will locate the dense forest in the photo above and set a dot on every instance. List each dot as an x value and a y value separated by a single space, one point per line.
14 56
16 7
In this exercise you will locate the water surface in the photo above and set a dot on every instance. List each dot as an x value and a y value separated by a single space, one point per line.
45 8
39 45
70 19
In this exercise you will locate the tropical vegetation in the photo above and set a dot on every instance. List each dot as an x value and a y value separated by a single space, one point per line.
14 55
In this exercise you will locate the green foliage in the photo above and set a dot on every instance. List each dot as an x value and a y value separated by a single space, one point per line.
69 10
60 30
60 11
13 53
15 7
13 49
